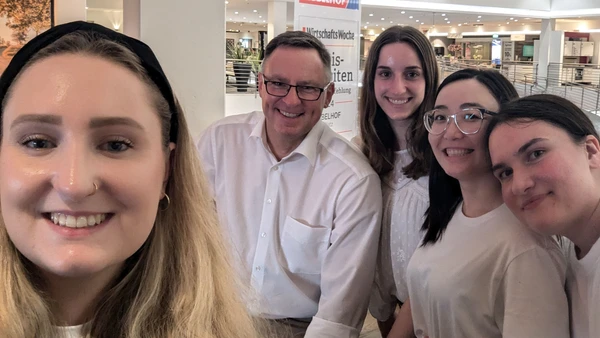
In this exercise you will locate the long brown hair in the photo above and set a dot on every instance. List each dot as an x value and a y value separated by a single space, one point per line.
179 284
378 139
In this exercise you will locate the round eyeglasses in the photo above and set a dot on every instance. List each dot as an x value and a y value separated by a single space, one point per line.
468 120
306 93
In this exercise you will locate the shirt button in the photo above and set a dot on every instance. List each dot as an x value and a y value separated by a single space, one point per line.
257 268
263 235
269 201
276 168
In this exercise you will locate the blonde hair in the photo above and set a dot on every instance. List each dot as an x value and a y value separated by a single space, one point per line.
180 282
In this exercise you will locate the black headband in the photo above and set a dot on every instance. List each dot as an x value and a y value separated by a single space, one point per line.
147 57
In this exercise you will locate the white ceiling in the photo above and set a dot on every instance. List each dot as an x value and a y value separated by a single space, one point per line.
252 15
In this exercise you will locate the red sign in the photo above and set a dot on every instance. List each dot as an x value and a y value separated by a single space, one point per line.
327 3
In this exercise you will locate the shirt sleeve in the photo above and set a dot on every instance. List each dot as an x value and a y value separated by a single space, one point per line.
205 146
532 301
349 264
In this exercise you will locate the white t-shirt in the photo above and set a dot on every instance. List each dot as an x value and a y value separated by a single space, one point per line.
404 204
489 277
583 286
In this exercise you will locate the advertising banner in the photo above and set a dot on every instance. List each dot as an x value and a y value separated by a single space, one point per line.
337 24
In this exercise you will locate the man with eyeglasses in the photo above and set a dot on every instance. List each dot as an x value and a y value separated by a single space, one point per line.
300 205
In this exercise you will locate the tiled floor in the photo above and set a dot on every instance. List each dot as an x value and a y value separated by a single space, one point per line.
370 329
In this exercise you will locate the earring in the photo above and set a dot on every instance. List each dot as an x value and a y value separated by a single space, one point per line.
95 189
168 202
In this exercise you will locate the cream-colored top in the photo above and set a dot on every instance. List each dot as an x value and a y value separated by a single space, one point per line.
404 204
491 277
583 285
70 331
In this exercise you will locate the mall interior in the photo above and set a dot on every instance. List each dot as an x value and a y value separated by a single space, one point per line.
547 46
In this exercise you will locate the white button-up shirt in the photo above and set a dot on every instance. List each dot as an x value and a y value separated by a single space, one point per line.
305 229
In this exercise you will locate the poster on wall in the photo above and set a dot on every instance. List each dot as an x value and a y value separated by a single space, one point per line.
21 21
337 24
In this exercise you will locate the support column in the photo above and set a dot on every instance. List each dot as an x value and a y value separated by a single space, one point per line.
69 10
277 18
548 26
192 54
131 18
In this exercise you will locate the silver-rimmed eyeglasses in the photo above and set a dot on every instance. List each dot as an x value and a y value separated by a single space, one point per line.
306 93
468 120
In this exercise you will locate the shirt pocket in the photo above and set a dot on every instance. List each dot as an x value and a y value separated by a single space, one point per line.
304 246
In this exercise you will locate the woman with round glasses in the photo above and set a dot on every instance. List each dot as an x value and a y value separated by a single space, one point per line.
478 271
400 79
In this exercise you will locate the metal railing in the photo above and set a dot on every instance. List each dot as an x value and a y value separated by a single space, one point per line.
241 75
579 83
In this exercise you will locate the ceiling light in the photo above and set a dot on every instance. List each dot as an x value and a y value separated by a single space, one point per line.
264 20
244 18
466 23
227 2
479 17
235 12
512 18
254 10
365 27
478 20
417 20
460 24
371 14
382 19
446 19
516 20
402 12
367 22
508 23
443 14
391 21
410 17
377 25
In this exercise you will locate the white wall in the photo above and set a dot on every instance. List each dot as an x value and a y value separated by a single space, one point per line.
69 10
241 103
112 19
188 37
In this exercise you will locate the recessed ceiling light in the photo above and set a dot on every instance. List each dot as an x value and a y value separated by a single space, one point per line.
446 19
365 27
371 14
460 24
516 20
410 17
367 22
244 18
508 23
377 25
478 20
235 12
443 14
421 23
402 12
254 10
227 2
417 20
466 23
382 19
391 21
479 17
512 18
264 20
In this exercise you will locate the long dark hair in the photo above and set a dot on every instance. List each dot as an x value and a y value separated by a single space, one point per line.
379 140
444 191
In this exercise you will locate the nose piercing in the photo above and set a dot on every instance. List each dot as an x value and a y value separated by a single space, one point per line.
95 189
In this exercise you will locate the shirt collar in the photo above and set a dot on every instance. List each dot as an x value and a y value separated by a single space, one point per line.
309 146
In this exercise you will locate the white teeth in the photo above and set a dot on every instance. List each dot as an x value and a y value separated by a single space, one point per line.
457 152
398 101
76 222
286 114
